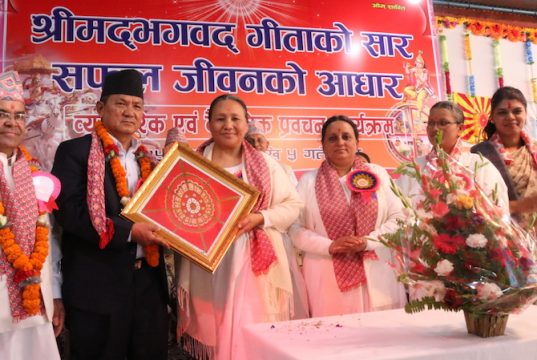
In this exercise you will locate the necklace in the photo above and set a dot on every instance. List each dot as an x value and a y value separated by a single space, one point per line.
111 152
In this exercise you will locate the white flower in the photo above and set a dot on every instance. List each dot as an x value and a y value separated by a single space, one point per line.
3 220
422 214
488 291
476 241
443 267
434 288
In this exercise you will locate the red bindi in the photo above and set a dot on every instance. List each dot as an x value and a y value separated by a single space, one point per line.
12 107
509 105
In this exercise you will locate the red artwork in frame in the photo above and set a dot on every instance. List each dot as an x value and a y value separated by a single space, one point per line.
195 203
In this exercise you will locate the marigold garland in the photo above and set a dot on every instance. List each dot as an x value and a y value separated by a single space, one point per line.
495 31
28 268
490 29
110 152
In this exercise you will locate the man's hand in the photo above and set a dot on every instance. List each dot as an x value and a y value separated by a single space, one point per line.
146 234
58 317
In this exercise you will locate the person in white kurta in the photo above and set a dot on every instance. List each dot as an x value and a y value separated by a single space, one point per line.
309 234
213 308
448 118
30 336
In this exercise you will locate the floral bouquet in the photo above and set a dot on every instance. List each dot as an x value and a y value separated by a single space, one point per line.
458 250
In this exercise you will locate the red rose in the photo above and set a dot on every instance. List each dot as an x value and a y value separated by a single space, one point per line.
453 299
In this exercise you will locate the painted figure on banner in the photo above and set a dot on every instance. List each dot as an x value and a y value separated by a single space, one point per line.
347 201
447 118
114 287
47 108
411 113
513 151
253 282
419 88
422 147
31 310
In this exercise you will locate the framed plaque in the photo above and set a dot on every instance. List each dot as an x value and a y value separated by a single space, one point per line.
195 203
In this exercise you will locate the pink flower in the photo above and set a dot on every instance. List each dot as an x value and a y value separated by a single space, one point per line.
434 193
422 289
443 267
439 209
476 241
488 291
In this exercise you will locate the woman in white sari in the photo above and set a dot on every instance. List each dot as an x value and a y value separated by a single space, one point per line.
252 283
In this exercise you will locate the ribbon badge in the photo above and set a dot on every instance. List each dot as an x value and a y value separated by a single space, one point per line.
47 189
364 182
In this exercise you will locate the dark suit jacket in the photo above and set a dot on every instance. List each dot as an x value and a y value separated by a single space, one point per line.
93 279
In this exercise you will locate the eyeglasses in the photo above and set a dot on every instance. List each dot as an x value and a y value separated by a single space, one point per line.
440 124
19 116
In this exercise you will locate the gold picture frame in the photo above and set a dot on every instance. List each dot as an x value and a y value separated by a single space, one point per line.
195 203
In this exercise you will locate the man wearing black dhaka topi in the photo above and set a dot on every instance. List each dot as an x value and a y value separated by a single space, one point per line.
114 288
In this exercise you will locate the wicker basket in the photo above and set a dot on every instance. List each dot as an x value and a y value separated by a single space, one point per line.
485 325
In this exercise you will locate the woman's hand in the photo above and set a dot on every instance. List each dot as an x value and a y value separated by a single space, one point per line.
250 222
348 245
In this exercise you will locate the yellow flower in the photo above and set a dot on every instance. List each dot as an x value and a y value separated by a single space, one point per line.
464 202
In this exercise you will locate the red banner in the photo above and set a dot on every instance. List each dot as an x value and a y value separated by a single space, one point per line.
294 63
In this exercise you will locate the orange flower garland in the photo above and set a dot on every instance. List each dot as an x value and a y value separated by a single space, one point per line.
120 176
491 29
28 269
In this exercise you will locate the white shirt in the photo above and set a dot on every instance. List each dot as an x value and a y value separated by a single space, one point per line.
132 169
51 283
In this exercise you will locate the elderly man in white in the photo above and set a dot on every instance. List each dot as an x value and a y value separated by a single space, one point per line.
29 317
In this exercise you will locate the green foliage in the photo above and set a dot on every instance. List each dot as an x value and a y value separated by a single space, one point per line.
427 303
